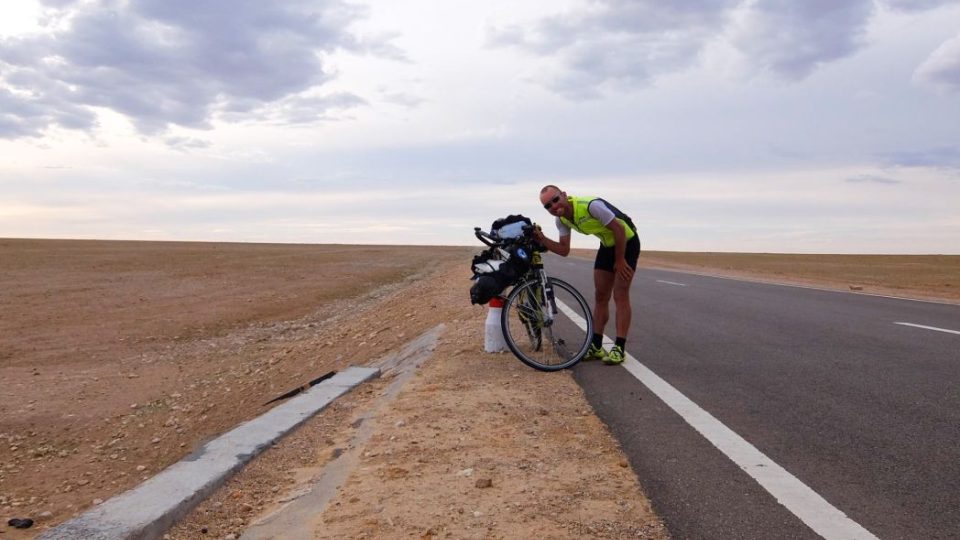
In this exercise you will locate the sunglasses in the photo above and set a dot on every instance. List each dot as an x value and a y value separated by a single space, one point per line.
552 202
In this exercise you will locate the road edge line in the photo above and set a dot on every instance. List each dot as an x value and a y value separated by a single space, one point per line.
802 501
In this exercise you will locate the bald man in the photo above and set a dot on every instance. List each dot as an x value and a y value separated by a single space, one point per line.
613 268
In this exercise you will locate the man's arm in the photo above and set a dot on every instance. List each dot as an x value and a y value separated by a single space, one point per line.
561 248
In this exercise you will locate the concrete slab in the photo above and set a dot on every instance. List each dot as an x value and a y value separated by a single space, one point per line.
298 519
147 511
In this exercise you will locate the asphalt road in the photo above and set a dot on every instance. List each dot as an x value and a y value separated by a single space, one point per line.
863 411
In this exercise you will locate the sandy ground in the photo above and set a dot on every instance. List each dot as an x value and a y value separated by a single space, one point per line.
925 277
120 358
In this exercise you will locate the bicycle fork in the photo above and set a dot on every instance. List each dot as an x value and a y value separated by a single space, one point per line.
549 300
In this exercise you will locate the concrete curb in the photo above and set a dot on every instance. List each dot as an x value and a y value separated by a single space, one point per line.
147 511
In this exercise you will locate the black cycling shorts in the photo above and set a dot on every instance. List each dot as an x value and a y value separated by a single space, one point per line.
606 255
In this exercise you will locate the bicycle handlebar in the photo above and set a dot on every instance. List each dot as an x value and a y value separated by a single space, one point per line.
492 240
485 237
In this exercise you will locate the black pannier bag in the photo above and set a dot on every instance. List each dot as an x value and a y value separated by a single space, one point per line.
492 273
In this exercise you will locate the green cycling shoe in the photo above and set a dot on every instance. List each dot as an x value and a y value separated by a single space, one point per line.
595 353
615 356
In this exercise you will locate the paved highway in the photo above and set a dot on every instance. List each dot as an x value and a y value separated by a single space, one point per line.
838 414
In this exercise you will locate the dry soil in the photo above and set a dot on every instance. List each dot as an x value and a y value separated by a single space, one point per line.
120 358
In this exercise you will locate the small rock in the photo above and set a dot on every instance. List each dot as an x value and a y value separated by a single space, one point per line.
97 501
856 288
141 468
623 463
46 515
465 472
484 483
18 523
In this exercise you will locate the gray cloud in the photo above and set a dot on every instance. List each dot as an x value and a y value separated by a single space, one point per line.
916 5
943 157
163 62
941 70
871 179
619 42
628 43
790 39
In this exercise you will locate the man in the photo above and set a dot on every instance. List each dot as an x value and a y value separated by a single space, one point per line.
614 266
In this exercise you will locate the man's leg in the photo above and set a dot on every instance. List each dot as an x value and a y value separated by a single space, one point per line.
603 285
621 298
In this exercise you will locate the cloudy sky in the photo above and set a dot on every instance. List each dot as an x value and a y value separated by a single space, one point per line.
741 125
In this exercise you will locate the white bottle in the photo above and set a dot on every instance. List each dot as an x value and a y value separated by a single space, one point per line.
492 331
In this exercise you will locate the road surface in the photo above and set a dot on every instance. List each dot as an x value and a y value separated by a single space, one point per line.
853 399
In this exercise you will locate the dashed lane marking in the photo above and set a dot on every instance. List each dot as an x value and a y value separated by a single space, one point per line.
928 327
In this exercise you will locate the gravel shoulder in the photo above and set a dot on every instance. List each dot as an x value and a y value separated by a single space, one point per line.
122 358
476 445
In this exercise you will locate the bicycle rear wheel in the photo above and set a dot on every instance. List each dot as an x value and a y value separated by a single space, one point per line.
547 347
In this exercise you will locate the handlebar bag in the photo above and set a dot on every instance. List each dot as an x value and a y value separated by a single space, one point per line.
510 226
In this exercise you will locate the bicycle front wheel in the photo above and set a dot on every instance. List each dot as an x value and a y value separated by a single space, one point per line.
538 342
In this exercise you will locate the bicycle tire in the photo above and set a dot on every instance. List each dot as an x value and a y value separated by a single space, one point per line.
550 351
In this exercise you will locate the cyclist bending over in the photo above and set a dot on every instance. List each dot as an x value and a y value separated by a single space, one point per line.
614 266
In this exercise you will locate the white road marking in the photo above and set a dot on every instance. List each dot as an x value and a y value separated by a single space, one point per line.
928 327
671 283
818 514
572 315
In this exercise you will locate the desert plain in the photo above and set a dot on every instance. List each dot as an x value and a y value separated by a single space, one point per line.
120 358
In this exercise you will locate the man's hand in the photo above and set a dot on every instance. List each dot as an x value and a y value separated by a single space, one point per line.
623 270
538 235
